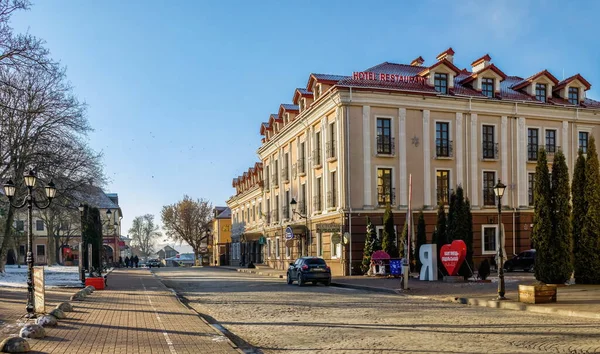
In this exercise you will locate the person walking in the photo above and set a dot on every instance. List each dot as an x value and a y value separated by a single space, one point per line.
136 260
120 261
127 262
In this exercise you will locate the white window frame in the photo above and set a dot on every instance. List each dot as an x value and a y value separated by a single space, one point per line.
451 135
541 141
377 167
36 250
337 247
319 244
481 188
380 228
488 226
277 246
450 178
581 129
393 134
269 248
556 138
496 140
337 191
288 252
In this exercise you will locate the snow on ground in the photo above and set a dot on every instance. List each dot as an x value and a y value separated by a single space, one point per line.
55 276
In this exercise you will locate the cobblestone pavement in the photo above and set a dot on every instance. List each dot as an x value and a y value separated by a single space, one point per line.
279 318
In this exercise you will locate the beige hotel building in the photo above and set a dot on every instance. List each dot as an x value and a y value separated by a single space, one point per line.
346 146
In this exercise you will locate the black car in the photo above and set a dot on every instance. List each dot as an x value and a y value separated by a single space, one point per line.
153 263
524 261
309 269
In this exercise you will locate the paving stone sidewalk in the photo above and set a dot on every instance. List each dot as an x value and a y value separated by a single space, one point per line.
135 314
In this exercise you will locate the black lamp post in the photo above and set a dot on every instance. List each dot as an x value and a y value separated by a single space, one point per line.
294 206
499 191
83 255
29 201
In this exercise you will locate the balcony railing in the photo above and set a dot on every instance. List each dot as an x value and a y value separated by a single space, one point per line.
489 197
285 175
285 212
302 207
532 152
443 148
300 166
331 199
489 150
274 215
330 149
316 155
386 195
317 203
274 180
267 217
552 149
385 145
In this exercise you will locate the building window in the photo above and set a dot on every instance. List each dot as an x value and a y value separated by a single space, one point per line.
331 142
317 150
40 250
385 142
532 144
39 225
540 92
320 244
489 178
277 248
441 83
332 194
551 141
574 95
487 87
443 186
288 252
530 186
286 206
317 198
20 225
442 139
22 250
301 153
489 146
335 248
489 239
583 141
302 202
385 192
269 248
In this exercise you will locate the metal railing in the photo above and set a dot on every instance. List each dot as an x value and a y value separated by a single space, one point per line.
274 215
330 149
386 145
331 199
302 207
489 150
300 166
316 155
274 179
443 148
317 203
285 212
489 197
285 175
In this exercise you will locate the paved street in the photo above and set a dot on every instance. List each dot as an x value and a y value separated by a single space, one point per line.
279 318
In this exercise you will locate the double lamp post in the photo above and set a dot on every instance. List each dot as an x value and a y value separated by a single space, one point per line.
499 189
29 201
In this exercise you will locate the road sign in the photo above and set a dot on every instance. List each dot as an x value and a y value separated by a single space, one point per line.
289 233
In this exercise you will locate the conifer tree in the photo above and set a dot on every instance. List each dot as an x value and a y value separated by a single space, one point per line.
578 215
451 218
368 249
421 239
560 262
590 245
440 235
388 242
542 221
468 235
376 244
402 241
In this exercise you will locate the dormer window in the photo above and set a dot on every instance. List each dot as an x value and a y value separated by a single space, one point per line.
441 83
301 104
574 95
540 92
487 87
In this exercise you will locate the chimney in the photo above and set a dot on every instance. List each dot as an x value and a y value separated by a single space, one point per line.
448 54
417 62
481 63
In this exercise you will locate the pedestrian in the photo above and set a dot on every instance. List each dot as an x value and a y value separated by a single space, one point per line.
136 260
127 262
120 261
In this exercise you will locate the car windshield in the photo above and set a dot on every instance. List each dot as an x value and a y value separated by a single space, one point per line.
315 261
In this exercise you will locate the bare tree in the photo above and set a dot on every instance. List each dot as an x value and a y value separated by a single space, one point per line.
188 221
144 233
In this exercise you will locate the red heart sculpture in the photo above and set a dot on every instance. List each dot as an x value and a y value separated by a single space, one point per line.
453 255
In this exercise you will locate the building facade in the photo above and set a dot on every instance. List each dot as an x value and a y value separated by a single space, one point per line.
221 235
348 145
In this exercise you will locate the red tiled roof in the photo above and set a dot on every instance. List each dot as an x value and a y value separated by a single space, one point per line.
448 51
444 62
483 58
301 92
474 75
589 103
417 61
569 79
529 80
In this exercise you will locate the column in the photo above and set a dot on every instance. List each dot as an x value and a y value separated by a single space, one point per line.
504 154
565 140
459 149
325 173
368 187
341 163
474 197
427 160
402 151
521 163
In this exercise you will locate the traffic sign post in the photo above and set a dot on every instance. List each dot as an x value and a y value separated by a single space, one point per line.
289 233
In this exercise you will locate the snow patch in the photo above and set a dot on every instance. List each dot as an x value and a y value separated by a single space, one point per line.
55 276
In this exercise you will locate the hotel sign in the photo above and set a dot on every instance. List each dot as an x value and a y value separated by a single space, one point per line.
371 76
329 227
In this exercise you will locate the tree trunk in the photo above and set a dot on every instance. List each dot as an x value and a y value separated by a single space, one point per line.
6 239
51 250
196 253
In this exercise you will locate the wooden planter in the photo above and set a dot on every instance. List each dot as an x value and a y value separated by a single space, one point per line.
537 294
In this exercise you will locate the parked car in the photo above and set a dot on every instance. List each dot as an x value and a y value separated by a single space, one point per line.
153 263
309 269
524 261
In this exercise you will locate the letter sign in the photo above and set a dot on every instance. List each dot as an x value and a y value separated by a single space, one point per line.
429 262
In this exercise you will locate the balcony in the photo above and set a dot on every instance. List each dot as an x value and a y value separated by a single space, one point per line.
386 195
385 145
300 167
331 199
274 216
285 175
330 150
316 155
489 197
489 150
443 149
274 180
317 203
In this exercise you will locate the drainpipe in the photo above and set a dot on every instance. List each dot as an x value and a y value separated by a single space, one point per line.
349 205
512 197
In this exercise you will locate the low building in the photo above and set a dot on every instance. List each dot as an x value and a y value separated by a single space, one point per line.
221 232
166 252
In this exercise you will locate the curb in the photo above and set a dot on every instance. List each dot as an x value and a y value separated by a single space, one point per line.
242 270
367 288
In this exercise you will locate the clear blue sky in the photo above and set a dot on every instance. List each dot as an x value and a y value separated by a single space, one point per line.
177 89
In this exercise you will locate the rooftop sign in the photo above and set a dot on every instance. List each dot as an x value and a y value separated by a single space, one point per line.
371 76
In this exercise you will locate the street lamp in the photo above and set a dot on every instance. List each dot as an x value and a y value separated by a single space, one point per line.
29 201
499 191
294 206
83 254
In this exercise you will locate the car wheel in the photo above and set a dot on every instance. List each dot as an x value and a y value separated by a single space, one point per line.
289 278
531 269
327 282
300 280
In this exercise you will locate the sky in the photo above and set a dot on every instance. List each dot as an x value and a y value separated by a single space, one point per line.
176 90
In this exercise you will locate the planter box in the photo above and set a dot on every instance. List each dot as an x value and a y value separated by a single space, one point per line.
96 282
537 294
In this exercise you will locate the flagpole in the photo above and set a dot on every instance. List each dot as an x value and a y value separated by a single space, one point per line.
406 265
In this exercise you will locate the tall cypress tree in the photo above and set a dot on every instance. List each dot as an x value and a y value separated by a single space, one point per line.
542 220
368 249
559 256
421 239
440 235
590 245
402 240
468 234
451 218
388 243
579 211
